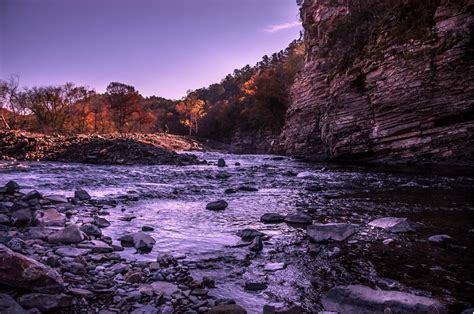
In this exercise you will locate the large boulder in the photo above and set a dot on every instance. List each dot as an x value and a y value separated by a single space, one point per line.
393 224
70 234
46 302
361 299
19 271
140 241
331 231
217 205
50 217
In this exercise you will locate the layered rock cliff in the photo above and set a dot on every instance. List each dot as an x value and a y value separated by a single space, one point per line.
385 81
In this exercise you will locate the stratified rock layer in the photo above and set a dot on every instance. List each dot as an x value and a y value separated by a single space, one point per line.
404 98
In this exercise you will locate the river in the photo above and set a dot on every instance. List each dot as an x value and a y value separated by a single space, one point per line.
172 200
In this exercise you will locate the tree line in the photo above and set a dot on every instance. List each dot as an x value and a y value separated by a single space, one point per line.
249 98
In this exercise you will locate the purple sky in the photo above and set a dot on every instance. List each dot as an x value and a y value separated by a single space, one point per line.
162 47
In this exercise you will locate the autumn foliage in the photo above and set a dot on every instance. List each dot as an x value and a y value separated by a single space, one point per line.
250 98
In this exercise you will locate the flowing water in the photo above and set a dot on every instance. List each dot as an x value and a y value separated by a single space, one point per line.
172 200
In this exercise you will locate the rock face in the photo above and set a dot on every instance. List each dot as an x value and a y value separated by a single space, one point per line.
331 231
362 299
405 96
19 271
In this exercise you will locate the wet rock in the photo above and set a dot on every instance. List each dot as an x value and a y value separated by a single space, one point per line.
362 299
21 217
274 266
45 302
9 306
220 162
257 244
56 198
101 222
82 195
91 230
164 288
227 309
133 277
20 271
166 260
71 252
223 301
255 286
69 234
96 246
313 188
249 234
147 228
393 224
440 239
49 217
142 242
468 311
217 205
127 218
126 240
247 188
11 187
272 218
120 268
146 309
330 231
230 191
299 218
81 293
32 195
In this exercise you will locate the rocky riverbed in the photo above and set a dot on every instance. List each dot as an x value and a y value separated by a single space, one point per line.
270 234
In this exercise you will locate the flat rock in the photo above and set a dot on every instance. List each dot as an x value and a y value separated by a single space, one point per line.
272 218
49 218
69 234
217 205
19 271
393 224
71 252
96 246
330 231
81 293
56 198
91 230
274 266
362 299
163 287
227 309
45 302
299 218
440 239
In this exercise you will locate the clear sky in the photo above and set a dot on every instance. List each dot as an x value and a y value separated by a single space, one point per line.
162 47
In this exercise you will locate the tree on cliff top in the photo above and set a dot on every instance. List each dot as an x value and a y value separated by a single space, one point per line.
193 110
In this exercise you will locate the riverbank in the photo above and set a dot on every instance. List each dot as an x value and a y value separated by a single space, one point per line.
291 256
148 149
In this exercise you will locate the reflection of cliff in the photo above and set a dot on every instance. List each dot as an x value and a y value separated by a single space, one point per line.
385 83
